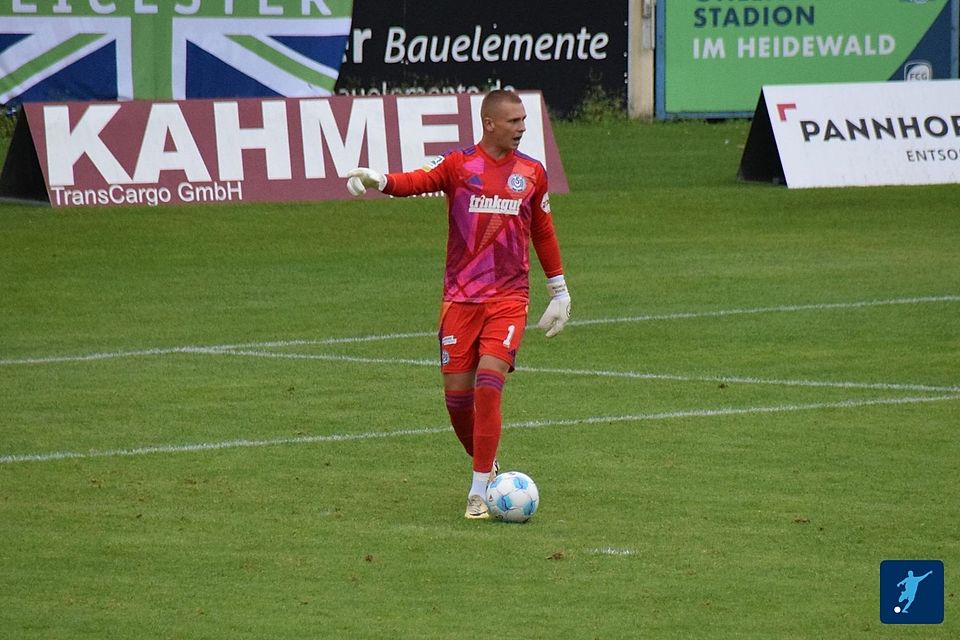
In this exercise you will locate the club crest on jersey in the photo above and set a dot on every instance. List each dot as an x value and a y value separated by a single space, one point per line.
517 183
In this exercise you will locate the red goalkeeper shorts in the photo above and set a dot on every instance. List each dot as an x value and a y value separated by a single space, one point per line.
468 331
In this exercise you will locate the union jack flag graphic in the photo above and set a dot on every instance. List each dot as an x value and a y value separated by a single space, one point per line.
56 59
163 55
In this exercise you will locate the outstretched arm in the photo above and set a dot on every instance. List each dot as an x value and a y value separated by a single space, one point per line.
429 179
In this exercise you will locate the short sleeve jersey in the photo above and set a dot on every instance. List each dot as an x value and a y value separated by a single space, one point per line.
494 208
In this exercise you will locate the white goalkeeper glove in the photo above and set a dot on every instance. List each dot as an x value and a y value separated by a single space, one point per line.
558 311
361 178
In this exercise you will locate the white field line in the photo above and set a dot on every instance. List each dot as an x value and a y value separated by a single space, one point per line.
280 355
537 424
633 375
779 309
325 341
630 375
109 355
612 551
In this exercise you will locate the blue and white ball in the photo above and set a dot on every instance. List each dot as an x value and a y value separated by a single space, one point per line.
513 497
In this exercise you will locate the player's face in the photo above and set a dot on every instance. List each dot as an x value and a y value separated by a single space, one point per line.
505 127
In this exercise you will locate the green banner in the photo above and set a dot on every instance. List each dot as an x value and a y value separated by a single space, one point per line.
715 55
160 49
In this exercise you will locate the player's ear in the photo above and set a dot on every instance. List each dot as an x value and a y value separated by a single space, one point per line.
487 123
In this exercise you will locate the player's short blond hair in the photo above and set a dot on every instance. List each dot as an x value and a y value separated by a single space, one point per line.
494 99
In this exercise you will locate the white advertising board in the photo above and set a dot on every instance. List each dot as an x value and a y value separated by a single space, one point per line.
865 134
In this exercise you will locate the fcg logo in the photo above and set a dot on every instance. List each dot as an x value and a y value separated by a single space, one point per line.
918 70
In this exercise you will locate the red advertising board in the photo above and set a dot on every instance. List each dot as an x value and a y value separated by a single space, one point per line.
250 150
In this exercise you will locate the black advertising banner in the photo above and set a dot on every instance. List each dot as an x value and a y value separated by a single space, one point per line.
567 51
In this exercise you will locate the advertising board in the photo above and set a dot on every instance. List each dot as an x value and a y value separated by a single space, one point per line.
55 50
241 150
856 134
409 47
713 56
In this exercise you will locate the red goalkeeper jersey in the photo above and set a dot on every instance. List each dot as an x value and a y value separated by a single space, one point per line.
495 208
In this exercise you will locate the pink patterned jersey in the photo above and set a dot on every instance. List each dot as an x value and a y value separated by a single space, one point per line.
495 208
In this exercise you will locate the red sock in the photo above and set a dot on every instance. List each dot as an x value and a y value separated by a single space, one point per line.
460 408
488 425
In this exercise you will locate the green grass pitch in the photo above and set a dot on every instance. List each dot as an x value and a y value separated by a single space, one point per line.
227 422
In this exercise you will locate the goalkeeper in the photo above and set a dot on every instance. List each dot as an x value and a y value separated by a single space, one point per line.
497 202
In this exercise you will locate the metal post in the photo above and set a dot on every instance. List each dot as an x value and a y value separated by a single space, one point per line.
640 58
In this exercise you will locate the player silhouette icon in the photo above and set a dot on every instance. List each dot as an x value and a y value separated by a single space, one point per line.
909 585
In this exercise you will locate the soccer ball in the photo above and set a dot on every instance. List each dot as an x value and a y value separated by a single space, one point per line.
512 497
